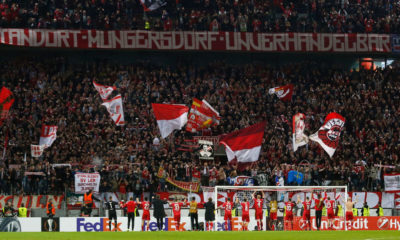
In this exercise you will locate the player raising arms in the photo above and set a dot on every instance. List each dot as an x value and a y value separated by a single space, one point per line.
227 206
258 206
146 212
245 214
306 212
176 209
349 211
288 220
330 206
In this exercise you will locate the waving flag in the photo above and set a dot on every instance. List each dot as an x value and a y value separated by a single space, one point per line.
295 176
37 150
104 91
115 109
244 144
328 135
299 138
6 101
201 116
48 135
170 117
151 5
284 92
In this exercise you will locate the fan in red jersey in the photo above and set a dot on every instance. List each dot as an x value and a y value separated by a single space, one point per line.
258 206
306 212
227 206
146 213
288 220
176 209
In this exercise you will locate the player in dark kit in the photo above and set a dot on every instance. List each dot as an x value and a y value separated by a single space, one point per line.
112 213
209 215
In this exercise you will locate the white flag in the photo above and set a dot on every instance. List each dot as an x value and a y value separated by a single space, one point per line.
37 150
299 138
48 135
103 90
115 109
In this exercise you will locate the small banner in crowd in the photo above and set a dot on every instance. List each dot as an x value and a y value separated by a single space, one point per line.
37 150
201 116
328 135
284 93
87 181
48 135
6 101
206 150
299 138
104 91
295 176
187 186
115 109
240 181
392 182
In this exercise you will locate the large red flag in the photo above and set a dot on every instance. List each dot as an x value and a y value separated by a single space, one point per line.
170 117
244 144
6 101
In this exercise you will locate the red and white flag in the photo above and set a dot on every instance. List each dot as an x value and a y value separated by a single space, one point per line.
299 138
284 92
170 117
104 91
328 135
201 116
48 135
6 101
244 144
115 109
151 5
37 150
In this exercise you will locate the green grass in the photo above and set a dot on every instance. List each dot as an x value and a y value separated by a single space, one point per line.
326 235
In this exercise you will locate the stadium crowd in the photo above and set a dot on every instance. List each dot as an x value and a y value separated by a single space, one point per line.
330 16
60 92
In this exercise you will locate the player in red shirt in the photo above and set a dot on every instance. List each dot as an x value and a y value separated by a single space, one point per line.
319 204
258 205
330 206
289 215
176 209
245 214
306 212
146 212
130 208
227 206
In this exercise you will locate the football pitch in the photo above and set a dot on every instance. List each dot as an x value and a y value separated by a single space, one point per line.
334 235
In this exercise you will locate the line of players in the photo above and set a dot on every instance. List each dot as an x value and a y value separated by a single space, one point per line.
258 198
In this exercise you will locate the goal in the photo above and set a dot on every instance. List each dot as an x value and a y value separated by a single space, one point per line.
280 196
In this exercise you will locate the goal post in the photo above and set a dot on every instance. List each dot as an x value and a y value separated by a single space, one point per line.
284 194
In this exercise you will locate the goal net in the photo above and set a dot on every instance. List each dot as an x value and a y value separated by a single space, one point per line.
285 208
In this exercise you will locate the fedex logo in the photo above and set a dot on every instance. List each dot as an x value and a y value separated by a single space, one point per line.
169 225
99 226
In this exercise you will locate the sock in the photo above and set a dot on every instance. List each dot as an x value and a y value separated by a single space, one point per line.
212 226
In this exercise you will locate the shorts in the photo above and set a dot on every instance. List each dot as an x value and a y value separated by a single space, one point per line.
331 215
112 215
245 218
228 217
259 215
289 217
306 216
177 218
349 216
273 216
146 216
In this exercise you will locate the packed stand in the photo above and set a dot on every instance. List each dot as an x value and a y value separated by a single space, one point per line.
56 91
355 16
